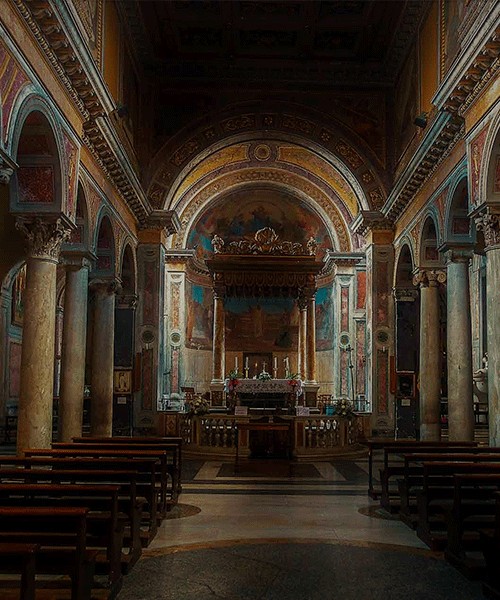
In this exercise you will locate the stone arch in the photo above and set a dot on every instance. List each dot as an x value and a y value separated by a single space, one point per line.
429 241
457 224
315 198
489 184
191 145
81 236
38 148
128 269
105 246
405 264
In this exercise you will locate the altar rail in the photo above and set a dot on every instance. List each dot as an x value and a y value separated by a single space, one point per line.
314 437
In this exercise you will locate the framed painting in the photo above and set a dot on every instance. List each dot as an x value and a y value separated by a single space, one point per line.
122 382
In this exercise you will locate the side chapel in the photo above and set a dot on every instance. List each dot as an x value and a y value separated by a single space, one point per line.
205 201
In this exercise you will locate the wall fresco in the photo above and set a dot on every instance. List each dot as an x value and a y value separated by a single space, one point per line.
476 153
245 212
149 311
360 357
360 289
261 324
36 184
199 316
71 171
12 80
324 318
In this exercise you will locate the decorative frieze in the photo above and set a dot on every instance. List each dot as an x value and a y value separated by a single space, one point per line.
44 238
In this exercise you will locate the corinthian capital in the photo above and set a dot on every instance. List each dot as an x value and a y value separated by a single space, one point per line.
44 237
429 278
489 223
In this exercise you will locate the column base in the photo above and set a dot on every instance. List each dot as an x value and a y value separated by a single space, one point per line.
310 392
217 393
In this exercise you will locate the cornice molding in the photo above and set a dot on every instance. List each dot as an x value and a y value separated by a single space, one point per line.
368 220
167 220
53 26
441 138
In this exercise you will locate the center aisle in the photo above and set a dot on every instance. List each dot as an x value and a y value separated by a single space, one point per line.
260 533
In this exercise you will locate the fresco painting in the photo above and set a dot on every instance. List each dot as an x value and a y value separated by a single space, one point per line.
243 214
324 318
199 316
261 324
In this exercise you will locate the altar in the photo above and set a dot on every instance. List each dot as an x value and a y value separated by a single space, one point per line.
264 393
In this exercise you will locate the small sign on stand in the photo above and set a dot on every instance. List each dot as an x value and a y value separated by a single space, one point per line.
241 411
302 411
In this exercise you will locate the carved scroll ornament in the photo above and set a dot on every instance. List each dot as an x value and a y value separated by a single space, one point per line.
266 241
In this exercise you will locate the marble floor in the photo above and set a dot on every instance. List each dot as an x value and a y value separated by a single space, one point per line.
270 531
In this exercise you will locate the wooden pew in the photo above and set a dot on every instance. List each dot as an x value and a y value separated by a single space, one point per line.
172 445
167 494
413 475
105 524
490 546
147 467
375 444
145 440
129 503
393 466
473 509
19 559
436 497
62 537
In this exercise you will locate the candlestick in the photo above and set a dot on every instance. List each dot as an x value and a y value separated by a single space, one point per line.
235 363
246 362
275 362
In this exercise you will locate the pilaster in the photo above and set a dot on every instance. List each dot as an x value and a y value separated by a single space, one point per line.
488 222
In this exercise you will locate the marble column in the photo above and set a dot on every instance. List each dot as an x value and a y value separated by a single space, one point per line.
219 337
73 347
44 237
430 364
489 224
311 339
302 363
459 346
102 361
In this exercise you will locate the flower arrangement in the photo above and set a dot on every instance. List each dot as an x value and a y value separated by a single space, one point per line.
344 407
264 376
198 405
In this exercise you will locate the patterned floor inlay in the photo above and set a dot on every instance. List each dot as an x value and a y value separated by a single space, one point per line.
269 469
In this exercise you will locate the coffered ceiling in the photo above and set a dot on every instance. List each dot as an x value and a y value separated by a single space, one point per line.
322 42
